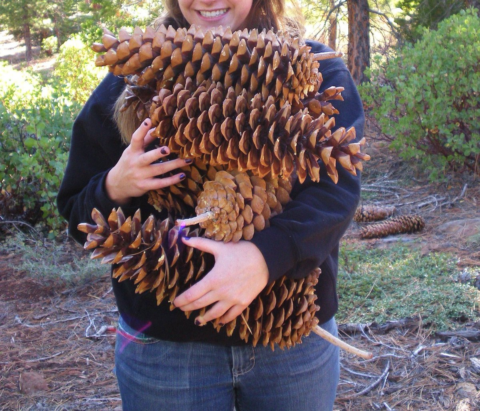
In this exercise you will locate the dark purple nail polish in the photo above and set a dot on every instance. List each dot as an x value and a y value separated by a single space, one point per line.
182 176
221 324
163 151
145 123
186 238
197 322
188 161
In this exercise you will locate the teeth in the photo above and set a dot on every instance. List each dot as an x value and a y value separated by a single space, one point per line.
213 13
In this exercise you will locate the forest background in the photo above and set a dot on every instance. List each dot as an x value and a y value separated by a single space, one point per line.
417 67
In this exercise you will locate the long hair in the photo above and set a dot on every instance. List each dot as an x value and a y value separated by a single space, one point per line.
264 14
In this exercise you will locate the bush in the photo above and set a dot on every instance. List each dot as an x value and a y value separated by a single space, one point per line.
35 123
35 128
75 71
49 45
427 98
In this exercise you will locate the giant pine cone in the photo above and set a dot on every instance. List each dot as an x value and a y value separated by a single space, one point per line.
244 100
154 257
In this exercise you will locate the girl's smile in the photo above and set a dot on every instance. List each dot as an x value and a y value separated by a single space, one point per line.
210 13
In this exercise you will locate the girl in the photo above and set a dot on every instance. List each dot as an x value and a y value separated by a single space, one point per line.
165 361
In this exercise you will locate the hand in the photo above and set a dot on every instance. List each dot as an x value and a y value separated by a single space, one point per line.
135 172
240 273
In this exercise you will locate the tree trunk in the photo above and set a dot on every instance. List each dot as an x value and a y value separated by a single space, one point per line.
358 39
28 41
332 35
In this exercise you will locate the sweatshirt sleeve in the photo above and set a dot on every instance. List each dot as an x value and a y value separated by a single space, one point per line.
311 225
95 148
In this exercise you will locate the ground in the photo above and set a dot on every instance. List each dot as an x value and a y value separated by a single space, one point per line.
56 342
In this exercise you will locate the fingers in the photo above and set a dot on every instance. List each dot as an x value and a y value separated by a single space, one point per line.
158 183
193 293
151 156
138 137
216 311
231 314
203 244
204 301
162 168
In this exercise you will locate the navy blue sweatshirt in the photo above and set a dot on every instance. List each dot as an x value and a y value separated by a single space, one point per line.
306 235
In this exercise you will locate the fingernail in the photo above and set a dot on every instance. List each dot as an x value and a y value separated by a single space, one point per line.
145 123
199 322
182 176
163 151
188 161
186 238
221 324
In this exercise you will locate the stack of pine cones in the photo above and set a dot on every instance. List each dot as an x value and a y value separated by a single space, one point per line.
246 107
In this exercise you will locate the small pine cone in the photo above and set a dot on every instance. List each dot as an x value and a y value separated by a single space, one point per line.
369 213
152 255
397 225
235 205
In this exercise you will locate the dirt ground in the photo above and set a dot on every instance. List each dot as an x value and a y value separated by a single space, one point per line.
56 344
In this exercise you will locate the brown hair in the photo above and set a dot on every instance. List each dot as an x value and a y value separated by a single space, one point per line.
264 14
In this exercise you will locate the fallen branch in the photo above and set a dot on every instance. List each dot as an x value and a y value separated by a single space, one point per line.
375 383
35 360
471 335
19 320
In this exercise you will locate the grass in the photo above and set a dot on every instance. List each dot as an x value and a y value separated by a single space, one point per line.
51 262
381 285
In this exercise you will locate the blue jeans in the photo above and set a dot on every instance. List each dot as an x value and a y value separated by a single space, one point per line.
170 376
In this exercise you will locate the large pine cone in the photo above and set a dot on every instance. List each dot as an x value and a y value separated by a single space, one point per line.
154 257
243 100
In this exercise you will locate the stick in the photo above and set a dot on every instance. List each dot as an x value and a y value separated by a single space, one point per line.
195 220
375 383
341 344
327 55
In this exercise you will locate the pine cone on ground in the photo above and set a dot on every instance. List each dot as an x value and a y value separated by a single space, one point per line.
397 225
367 213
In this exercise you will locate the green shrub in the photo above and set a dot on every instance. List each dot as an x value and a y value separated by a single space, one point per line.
35 127
75 71
427 97
36 119
49 45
